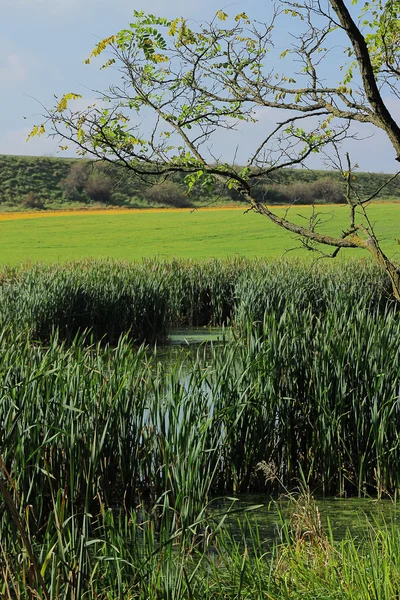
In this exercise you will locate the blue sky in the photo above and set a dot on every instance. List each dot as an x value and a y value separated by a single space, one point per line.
43 44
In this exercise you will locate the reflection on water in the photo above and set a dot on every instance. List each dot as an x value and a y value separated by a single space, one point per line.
197 335
184 344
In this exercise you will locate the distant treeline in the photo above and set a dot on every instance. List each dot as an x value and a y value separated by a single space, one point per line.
47 182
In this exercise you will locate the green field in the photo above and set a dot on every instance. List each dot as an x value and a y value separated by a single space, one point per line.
202 234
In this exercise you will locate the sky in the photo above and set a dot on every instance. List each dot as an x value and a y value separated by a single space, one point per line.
43 44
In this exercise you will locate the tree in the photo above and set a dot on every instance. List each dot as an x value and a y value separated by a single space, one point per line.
98 185
31 200
87 180
74 184
193 83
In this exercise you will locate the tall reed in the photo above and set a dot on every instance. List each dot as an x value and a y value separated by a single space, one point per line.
116 426
145 299
111 457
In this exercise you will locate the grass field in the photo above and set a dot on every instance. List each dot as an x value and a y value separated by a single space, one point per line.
131 235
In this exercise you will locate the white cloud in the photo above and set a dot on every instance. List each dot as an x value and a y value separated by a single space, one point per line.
12 69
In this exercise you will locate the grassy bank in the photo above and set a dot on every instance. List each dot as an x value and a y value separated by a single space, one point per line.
200 235
137 563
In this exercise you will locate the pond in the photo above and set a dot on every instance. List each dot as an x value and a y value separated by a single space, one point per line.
193 336
184 342
338 515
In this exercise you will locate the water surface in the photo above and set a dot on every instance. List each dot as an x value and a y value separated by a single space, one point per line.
339 516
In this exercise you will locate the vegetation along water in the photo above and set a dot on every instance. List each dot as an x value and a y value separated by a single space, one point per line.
114 462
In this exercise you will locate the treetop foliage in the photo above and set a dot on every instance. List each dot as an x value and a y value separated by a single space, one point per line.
181 87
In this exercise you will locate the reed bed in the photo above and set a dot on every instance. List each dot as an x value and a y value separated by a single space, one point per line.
90 295
145 299
311 386
311 395
111 459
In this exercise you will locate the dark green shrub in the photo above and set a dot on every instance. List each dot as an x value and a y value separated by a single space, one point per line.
328 191
167 193
98 186
276 194
32 201
73 185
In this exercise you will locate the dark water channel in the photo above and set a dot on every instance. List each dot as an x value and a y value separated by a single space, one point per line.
338 515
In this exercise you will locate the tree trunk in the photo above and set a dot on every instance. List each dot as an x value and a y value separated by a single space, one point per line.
383 118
